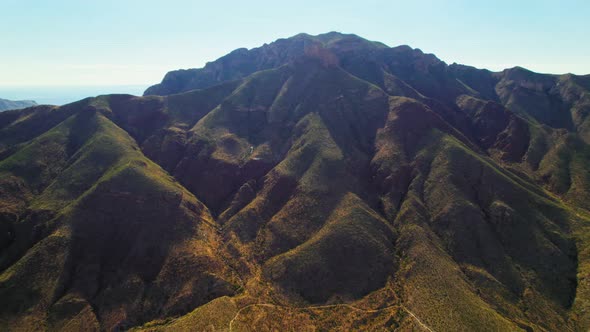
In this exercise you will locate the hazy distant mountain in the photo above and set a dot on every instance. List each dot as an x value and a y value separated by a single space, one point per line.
61 95
6 105
315 183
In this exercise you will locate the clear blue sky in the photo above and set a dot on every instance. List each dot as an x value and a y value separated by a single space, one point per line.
107 42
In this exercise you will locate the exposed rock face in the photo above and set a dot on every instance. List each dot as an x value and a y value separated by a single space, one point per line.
378 185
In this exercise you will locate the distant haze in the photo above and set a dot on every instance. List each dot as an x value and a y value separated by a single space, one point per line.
61 95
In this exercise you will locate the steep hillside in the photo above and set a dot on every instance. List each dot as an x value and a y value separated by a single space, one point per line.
316 183
97 235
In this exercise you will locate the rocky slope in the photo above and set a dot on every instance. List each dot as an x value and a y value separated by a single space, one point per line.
318 182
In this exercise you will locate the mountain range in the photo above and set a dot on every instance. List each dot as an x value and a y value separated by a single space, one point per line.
6 104
314 183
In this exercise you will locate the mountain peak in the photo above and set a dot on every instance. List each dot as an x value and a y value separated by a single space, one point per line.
243 62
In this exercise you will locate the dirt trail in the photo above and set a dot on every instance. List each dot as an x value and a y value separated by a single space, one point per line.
420 323
424 326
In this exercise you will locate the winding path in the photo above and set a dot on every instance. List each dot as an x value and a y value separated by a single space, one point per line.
420 323
424 326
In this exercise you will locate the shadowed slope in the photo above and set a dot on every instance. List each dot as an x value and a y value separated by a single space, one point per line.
464 206
125 242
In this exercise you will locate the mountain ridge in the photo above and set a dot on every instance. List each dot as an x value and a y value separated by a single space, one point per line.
461 79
